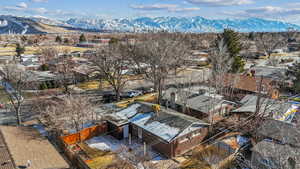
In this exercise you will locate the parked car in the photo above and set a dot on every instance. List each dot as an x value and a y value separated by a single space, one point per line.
109 97
133 93
146 90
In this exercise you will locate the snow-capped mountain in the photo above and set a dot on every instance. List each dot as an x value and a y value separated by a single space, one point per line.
48 21
182 24
12 24
33 25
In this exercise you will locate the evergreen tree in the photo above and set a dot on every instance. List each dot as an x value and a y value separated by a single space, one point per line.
58 39
82 38
251 36
294 73
66 41
113 41
19 50
234 46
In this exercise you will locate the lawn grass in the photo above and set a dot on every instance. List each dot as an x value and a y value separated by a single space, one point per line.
10 51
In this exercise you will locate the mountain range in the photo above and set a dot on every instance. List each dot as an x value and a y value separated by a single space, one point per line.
197 24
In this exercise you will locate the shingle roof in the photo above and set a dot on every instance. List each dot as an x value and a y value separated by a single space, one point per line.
270 72
166 124
276 155
285 132
6 161
200 102
267 105
25 143
204 103
246 83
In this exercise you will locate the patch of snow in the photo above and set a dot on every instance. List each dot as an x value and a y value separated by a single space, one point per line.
104 144
160 129
128 112
41 129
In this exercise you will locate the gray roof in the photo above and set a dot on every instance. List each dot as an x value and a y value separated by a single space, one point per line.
182 94
267 105
192 99
40 76
285 132
166 124
204 103
273 156
274 73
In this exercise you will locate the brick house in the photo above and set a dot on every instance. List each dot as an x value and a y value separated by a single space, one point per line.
168 132
243 85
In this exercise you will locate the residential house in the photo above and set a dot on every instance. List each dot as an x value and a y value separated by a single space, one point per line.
197 58
242 85
279 110
103 41
293 46
197 104
278 147
169 132
25 147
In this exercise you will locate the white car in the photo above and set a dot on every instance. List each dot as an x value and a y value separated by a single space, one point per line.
134 93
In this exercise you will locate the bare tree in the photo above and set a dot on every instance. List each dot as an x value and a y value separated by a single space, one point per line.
64 68
69 112
157 55
15 82
268 42
221 64
48 53
111 64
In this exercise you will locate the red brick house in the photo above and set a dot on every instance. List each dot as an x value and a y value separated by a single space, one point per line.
243 85
168 132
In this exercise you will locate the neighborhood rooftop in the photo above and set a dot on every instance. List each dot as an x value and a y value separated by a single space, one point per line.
166 123
26 144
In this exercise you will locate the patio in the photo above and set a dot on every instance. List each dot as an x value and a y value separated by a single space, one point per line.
133 152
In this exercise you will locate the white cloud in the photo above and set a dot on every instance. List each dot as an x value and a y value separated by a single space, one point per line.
39 10
22 5
184 9
39 0
220 2
286 14
154 6
168 7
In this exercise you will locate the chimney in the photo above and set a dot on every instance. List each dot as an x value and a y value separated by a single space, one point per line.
156 108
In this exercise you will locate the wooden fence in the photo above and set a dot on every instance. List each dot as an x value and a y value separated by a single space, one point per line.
85 134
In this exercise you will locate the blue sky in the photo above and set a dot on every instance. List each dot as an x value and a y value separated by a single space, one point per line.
283 10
